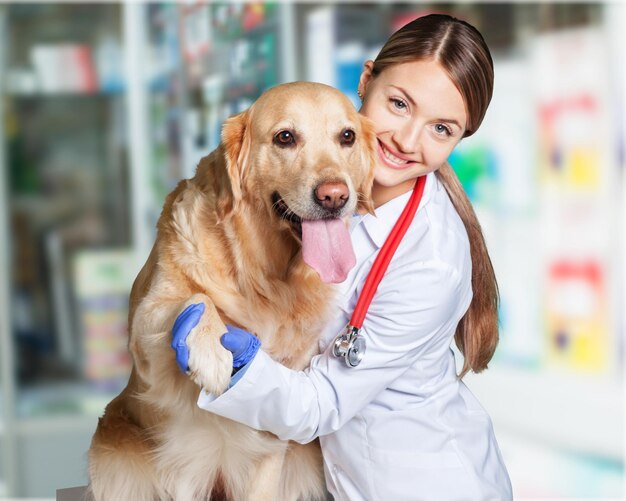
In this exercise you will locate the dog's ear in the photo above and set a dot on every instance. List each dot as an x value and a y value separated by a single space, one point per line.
369 157
236 146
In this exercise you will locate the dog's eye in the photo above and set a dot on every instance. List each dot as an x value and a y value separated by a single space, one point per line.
347 137
284 138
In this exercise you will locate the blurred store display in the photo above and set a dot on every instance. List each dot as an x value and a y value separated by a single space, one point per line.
577 169
65 169
85 87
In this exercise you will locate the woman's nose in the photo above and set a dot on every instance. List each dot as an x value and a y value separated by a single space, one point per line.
407 138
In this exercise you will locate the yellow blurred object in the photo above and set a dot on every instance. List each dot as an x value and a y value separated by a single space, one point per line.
583 168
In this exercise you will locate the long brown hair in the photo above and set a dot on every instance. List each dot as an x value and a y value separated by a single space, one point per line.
462 52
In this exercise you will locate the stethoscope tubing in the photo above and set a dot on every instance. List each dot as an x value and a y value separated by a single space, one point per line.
349 345
381 263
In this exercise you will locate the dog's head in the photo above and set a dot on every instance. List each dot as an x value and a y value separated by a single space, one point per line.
301 153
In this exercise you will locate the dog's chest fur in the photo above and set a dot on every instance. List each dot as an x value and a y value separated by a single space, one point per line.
254 274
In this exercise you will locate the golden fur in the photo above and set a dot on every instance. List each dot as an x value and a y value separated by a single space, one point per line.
221 242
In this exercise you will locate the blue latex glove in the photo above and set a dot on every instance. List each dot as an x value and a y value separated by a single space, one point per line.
243 345
186 321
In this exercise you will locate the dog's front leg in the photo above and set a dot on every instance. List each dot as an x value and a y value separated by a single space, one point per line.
210 364
265 483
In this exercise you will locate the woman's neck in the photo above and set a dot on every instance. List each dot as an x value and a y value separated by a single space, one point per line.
382 194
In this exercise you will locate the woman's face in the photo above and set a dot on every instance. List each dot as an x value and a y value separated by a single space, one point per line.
419 117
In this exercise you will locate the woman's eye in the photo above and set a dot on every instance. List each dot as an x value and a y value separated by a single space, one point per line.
347 137
284 138
442 130
399 104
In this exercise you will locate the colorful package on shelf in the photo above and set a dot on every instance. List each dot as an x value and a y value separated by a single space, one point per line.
103 279
320 32
475 165
574 131
225 19
109 63
66 67
266 70
234 20
576 315
165 53
197 35
253 15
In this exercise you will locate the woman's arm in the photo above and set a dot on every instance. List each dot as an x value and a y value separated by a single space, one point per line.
412 308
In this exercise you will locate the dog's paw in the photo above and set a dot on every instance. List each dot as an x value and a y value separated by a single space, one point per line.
210 364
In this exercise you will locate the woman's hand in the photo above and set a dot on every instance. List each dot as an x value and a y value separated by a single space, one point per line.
186 321
242 344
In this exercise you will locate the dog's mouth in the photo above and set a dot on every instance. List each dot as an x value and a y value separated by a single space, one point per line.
326 245
285 213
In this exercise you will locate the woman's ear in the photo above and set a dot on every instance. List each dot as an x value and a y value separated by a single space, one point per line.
366 77
369 158
236 145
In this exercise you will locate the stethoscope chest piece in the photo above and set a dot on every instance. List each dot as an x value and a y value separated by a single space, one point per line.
350 346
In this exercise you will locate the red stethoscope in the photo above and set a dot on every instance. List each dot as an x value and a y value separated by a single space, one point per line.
349 345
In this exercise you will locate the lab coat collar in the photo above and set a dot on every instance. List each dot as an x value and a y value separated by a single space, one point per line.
378 227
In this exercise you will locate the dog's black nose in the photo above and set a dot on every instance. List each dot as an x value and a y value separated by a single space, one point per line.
332 195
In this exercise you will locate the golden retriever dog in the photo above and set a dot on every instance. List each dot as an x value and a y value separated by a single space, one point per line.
258 235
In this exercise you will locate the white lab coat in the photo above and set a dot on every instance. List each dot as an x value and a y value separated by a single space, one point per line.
400 426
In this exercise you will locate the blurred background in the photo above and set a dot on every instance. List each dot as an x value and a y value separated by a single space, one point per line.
104 107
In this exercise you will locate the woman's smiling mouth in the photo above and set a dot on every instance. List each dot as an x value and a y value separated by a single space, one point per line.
390 158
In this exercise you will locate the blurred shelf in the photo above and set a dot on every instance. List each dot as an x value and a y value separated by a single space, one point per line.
57 424
64 94
569 411
44 211
52 408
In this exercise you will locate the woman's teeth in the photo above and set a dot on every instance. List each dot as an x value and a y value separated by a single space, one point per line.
393 158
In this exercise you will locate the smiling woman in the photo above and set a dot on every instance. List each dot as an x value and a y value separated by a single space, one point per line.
407 103
452 77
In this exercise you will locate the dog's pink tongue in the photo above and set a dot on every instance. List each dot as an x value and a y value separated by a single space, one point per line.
326 247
